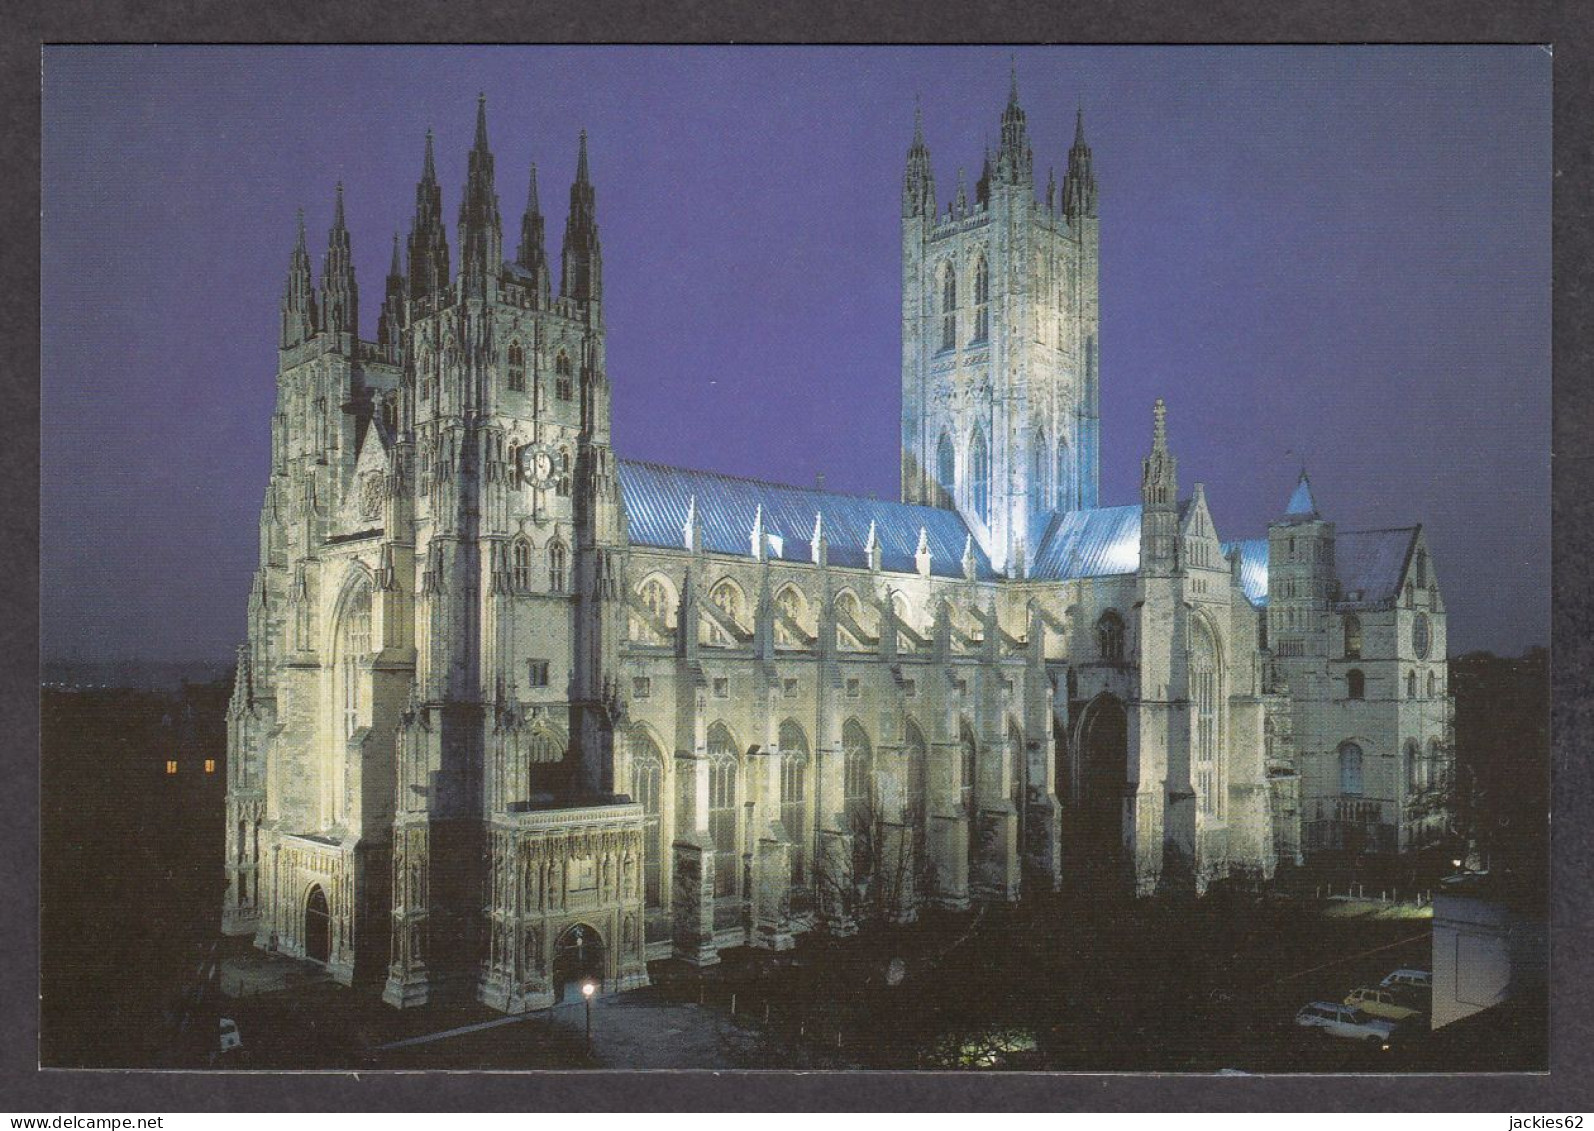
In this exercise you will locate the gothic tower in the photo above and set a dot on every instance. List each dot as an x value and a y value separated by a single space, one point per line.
1000 402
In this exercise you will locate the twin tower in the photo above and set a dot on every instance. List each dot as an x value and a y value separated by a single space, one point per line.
1000 321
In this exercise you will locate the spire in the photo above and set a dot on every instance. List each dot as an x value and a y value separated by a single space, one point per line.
298 297
1015 164
581 259
428 243
819 542
982 187
1051 189
692 528
533 252
1159 497
390 322
1079 184
960 204
340 294
760 543
921 553
918 182
1302 504
480 231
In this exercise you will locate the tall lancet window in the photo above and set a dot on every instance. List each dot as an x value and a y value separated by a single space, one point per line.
949 308
722 824
354 645
558 567
561 377
945 469
1209 776
982 301
980 476
1040 463
647 790
516 368
1065 473
794 796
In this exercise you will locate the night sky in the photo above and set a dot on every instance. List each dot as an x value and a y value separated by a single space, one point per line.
1331 256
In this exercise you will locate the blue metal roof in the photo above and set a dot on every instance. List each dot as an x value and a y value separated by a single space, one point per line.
1253 568
1371 564
1095 542
657 496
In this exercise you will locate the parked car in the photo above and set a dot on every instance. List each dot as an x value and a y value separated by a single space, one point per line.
1346 1021
230 1038
1408 979
1383 1003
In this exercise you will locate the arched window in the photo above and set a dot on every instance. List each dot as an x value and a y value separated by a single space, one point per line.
558 573
520 564
1355 684
722 774
980 476
353 649
904 616
1414 768
1209 779
1353 637
859 776
1422 569
1433 684
847 606
1040 464
561 377
1350 769
647 790
1411 685
1435 772
794 796
794 607
982 301
516 368
655 596
945 469
727 598
949 306
966 768
1110 636
1410 596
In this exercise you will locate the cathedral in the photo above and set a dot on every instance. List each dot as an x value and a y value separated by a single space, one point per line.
515 713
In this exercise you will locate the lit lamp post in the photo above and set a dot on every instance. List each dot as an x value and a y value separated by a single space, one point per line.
587 990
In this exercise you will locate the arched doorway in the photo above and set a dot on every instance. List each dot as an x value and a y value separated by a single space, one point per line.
577 957
1101 778
317 926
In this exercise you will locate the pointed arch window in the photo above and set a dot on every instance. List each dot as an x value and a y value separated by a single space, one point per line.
1414 768
1064 473
561 377
980 476
793 606
794 796
727 597
1355 684
1110 637
859 776
949 307
515 367
520 565
558 567
1422 569
647 790
968 758
848 609
918 754
1353 637
945 468
654 596
1204 701
354 647
1433 685
1350 769
982 301
1411 685
1040 487
722 827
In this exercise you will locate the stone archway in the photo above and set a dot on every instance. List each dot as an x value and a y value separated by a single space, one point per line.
317 926
1100 784
577 958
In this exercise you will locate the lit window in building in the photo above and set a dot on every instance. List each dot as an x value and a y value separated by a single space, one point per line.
171 767
210 765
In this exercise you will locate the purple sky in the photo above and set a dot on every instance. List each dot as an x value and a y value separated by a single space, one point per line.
1332 255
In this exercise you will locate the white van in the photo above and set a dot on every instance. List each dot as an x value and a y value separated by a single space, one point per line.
1408 979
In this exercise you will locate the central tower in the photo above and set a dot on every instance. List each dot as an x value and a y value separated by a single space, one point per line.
1000 401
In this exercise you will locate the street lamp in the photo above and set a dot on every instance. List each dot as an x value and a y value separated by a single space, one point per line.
587 990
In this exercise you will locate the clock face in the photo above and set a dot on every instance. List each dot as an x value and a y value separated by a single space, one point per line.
537 466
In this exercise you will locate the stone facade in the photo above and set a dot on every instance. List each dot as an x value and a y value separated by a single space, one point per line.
514 712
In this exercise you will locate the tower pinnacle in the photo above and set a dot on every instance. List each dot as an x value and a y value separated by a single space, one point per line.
581 259
428 244
340 294
1079 185
298 298
533 252
918 181
480 230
